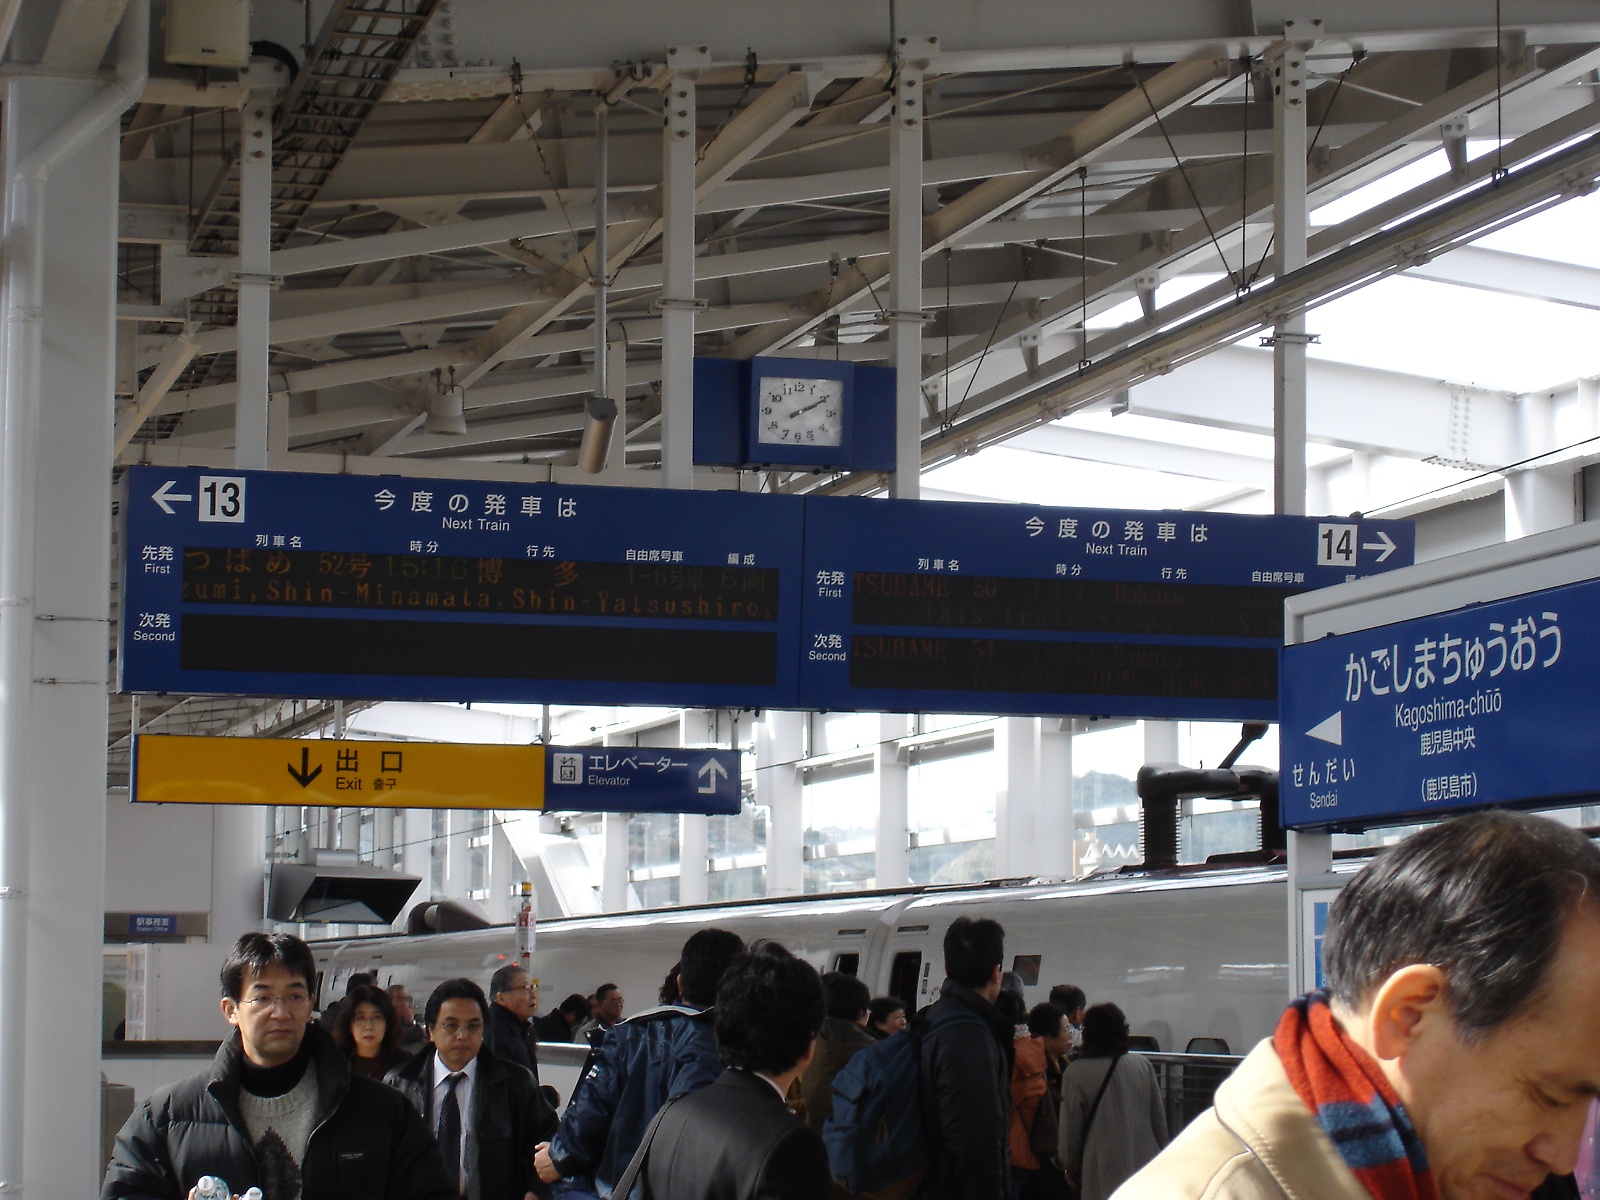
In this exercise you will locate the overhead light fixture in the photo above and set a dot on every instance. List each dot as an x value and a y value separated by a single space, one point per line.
599 417
446 407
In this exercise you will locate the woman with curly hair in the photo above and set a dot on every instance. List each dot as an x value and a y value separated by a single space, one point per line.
368 1032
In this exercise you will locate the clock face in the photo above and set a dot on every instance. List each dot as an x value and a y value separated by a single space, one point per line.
793 411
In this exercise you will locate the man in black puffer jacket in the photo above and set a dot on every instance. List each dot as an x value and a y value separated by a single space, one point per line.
279 1109
967 1048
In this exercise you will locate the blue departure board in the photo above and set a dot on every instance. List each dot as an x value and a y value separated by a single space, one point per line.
925 606
271 583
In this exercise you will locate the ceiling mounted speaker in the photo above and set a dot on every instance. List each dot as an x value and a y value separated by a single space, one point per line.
208 33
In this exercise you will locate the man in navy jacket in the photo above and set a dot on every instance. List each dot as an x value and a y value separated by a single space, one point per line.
641 1062
737 1139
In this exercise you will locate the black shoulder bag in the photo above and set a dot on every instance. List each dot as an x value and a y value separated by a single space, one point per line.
1088 1123
624 1188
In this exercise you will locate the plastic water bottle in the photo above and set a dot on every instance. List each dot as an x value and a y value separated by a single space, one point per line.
212 1187
253 1194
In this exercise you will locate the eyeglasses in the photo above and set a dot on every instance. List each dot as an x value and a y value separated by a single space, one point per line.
297 1002
471 1028
374 1019
523 987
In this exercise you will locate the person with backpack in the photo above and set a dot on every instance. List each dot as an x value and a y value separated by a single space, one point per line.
843 1033
965 1060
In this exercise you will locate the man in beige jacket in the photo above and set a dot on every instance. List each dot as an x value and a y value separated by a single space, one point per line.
1457 1048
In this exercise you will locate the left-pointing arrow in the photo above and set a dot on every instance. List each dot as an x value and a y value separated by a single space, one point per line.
305 774
164 494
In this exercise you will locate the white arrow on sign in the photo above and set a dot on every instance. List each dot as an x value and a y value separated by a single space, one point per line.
709 773
1384 545
164 493
1331 730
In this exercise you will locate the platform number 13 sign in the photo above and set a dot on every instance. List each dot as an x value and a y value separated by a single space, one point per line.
222 498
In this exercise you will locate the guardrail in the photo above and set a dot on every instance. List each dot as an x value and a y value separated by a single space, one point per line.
1188 1081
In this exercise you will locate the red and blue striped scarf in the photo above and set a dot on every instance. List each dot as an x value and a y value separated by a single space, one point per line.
1346 1091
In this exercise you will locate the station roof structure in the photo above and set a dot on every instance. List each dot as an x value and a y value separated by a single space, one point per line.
1097 229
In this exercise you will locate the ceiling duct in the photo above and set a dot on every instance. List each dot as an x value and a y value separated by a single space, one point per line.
337 890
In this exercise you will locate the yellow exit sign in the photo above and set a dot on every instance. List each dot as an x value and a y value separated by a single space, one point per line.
335 773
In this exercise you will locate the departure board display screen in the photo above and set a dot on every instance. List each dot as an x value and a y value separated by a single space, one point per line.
265 583
926 606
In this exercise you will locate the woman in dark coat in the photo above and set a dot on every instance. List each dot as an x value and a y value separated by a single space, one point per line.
368 1032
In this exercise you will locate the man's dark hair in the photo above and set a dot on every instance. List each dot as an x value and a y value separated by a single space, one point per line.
1068 997
359 979
604 990
575 1005
769 1007
845 996
1044 1020
1105 1031
707 955
1482 897
453 989
253 953
500 981
973 949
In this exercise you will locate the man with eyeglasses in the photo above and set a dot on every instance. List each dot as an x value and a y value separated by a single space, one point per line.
279 1109
510 1032
412 1036
488 1114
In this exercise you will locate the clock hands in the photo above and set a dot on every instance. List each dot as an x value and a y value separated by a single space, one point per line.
807 408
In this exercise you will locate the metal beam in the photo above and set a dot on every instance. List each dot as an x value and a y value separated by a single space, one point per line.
1514 275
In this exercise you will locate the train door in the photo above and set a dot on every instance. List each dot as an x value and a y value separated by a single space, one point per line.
849 951
911 967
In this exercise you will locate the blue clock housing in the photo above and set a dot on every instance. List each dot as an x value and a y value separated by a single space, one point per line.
725 408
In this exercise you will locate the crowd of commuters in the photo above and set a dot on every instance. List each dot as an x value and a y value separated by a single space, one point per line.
1462 1036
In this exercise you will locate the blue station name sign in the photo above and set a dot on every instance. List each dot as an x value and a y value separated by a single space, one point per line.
929 607
271 583
1443 713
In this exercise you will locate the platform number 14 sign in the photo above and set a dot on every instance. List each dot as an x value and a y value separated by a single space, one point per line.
1336 545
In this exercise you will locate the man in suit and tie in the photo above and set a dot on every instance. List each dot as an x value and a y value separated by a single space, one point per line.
737 1138
487 1114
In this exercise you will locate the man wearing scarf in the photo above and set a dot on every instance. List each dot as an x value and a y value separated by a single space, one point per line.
1455 1051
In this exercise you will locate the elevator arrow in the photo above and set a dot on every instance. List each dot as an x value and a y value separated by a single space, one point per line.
305 774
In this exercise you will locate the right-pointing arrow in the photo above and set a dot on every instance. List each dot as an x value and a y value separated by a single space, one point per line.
1384 545
1331 730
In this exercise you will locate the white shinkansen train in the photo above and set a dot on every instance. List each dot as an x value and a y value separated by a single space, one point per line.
1187 953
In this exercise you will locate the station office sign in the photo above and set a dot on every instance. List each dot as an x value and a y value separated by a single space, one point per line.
352 773
1494 704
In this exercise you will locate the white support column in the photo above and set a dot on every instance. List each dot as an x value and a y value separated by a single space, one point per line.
254 281
1310 860
905 263
237 877
1056 821
1290 223
1160 741
677 302
893 777
778 786
693 833
1537 498
1016 807
59 147
617 391
614 876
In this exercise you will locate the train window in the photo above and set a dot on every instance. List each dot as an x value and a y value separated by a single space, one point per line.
1027 968
903 977
847 963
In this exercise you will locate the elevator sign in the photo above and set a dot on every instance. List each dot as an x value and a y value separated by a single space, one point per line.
1488 705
